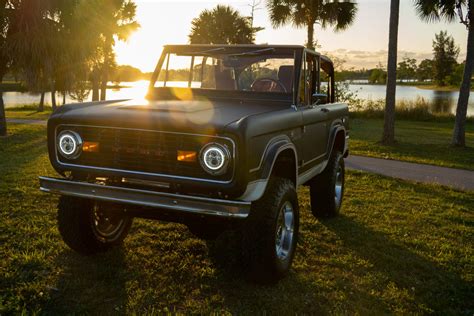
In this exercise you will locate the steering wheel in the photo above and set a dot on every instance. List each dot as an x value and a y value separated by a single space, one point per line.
268 85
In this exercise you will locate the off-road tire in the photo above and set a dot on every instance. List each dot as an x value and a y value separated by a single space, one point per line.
324 201
76 226
259 233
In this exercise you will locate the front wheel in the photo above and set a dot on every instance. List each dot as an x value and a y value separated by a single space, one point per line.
90 227
270 232
327 189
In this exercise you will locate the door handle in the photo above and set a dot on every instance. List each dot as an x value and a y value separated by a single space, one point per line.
325 110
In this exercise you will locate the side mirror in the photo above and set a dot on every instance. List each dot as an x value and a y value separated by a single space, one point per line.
319 98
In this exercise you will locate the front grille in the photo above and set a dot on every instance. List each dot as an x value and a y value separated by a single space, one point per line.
145 151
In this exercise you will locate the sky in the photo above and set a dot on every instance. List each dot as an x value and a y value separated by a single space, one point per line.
363 45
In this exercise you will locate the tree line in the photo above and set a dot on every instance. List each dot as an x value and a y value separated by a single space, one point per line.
432 11
443 69
59 45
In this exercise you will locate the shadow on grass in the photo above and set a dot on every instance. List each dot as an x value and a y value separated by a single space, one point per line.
438 289
93 284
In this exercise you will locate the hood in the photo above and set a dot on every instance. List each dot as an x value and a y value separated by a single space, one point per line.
193 116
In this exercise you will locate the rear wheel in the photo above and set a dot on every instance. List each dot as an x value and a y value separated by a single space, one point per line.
327 189
270 232
90 227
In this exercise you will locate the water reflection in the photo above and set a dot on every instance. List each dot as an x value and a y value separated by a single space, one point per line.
440 101
443 102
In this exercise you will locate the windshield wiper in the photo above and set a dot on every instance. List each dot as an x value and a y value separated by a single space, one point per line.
254 53
208 52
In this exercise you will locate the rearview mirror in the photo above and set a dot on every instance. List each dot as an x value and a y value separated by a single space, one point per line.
319 98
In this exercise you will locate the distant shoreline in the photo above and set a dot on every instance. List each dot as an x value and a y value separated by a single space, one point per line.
437 88
416 85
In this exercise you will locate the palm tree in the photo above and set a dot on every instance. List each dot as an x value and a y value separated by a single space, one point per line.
306 13
388 136
4 61
435 10
115 19
222 25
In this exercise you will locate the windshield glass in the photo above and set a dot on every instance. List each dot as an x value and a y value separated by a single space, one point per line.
252 70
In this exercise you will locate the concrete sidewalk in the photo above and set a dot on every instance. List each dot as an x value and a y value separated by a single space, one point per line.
455 178
28 122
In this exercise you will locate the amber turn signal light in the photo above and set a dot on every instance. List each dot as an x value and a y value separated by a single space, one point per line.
90 147
187 156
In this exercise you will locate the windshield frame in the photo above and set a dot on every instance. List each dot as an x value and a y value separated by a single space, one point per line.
238 50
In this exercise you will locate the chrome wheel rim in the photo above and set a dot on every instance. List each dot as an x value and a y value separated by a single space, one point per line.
106 225
285 231
338 186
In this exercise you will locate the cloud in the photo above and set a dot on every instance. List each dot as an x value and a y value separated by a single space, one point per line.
370 59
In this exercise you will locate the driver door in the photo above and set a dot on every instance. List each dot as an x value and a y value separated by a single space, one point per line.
315 118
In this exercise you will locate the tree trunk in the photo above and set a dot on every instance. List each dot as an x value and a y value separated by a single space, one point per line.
310 43
3 120
388 136
103 87
95 85
64 97
459 133
41 104
105 76
53 96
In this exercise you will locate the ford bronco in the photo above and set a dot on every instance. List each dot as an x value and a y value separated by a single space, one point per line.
224 137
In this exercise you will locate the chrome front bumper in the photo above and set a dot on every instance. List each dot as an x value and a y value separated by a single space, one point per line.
161 200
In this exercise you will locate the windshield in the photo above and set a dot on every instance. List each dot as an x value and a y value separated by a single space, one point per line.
256 70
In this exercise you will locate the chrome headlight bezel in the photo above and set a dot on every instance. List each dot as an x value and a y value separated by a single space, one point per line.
69 138
216 149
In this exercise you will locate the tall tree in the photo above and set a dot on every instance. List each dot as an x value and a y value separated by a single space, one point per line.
306 13
425 70
4 59
434 10
222 25
388 136
115 19
445 57
407 69
36 42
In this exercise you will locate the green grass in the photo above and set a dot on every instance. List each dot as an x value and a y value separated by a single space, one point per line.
28 112
420 142
398 247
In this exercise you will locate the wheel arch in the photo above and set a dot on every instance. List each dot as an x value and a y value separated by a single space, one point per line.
338 141
279 159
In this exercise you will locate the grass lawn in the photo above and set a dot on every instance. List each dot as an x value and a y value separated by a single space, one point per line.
399 248
421 142
27 113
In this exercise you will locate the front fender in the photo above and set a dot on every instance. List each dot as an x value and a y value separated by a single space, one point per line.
256 188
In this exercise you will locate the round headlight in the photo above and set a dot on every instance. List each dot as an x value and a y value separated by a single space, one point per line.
215 159
69 144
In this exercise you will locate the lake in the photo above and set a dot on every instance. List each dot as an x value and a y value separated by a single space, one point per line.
441 101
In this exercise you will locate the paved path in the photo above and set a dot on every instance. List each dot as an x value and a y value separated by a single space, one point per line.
30 122
455 178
